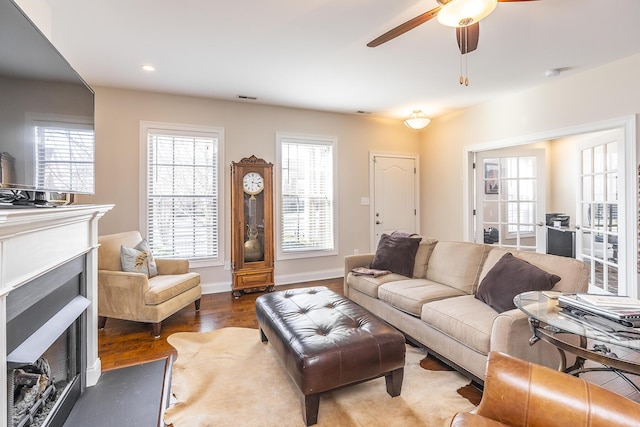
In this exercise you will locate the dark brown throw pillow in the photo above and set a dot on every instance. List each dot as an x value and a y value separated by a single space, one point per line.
509 277
396 254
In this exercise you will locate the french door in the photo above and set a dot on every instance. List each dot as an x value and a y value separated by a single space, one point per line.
600 212
510 201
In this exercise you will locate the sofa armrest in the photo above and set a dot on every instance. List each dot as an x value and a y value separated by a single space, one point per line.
353 261
172 266
519 393
511 332
121 292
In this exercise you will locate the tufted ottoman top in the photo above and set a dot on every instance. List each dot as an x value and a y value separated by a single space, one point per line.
326 340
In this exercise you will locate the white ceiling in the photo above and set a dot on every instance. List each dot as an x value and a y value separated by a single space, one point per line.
313 54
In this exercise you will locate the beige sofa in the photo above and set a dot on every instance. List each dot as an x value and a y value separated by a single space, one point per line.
437 307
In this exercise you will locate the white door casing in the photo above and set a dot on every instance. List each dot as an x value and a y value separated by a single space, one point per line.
627 126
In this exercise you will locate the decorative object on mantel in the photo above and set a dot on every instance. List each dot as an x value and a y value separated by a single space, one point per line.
417 120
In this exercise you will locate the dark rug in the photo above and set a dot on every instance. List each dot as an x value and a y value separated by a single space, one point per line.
131 396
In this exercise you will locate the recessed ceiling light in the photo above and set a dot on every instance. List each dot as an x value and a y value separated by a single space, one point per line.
148 68
552 72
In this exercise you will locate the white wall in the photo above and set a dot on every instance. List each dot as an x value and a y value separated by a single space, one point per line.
563 167
595 95
592 96
249 129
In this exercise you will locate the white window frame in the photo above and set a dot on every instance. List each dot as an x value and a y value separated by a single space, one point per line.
145 127
310 139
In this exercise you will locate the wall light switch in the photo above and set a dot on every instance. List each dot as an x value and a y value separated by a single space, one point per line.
364 201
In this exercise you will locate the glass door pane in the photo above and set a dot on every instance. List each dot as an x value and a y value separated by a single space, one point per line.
509 199
598 231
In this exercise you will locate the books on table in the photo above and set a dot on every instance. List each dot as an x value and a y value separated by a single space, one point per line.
623 310
609 300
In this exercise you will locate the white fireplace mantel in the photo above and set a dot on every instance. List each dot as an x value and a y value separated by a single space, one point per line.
34 241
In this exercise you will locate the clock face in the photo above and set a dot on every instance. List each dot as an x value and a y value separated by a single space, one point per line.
253 183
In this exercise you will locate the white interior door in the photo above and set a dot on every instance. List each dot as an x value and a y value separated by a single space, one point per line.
510 199
394 196
601 212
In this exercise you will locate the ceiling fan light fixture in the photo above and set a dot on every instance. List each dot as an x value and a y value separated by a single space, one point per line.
417 120
462 13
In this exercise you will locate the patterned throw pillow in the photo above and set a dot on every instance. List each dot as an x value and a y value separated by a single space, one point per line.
138 259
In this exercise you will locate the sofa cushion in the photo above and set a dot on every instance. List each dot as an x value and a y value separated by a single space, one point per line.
109 249
396 254
509 277
425 248
369 285
164 287
457 264
410 295
465 319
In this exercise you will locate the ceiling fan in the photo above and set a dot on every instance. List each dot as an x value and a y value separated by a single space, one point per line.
464 15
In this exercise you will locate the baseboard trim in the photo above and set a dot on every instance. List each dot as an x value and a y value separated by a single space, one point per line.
93 373
281 279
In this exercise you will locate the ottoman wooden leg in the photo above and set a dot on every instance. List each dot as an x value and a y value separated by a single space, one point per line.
394 382
263 337
310 409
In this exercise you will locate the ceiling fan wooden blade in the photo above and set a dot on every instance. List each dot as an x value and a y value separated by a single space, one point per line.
468 37
401 29
510 1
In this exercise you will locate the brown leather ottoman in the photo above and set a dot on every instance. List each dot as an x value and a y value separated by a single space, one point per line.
325 341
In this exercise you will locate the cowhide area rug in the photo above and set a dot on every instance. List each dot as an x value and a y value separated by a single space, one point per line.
228 377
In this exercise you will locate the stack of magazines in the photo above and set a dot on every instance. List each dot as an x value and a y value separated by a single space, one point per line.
622 310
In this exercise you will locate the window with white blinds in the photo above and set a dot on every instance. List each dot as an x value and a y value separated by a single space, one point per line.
65 156
183 193
307 205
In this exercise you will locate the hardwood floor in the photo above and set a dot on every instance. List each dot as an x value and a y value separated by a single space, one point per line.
124 343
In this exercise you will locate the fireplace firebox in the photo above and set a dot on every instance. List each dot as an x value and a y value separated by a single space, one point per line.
46 348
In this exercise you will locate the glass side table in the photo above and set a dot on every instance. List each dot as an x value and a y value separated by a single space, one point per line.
550 323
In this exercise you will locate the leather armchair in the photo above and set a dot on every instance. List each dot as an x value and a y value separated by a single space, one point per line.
134 296
523 394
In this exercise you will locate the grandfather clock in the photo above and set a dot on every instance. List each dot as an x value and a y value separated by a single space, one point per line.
251 225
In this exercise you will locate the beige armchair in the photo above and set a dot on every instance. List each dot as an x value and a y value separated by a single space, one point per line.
133 296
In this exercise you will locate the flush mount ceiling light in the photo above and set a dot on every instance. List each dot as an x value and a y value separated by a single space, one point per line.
462 13
148 68
417 120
